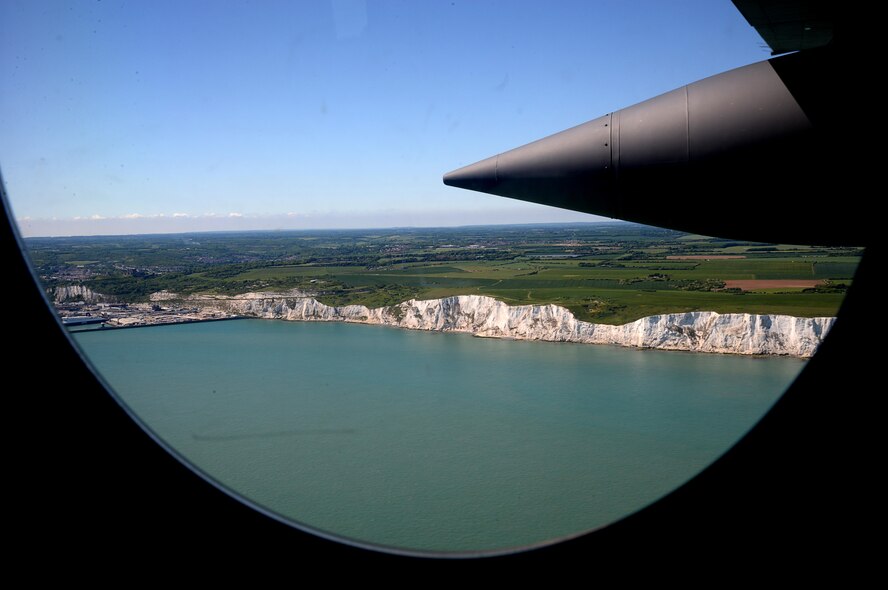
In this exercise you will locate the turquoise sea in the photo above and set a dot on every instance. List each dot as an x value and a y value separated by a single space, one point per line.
432 441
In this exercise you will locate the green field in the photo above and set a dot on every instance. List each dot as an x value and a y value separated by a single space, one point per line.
603 272
603 295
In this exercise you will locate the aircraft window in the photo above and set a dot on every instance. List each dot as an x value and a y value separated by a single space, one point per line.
285 163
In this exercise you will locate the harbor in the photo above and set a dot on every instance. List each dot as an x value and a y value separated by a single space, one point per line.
80 315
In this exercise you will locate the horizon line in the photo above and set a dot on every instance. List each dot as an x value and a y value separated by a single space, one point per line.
138 224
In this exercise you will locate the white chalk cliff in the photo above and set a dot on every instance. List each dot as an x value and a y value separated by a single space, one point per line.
698 331
65 293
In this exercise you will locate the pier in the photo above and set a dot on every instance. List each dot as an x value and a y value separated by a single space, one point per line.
82 320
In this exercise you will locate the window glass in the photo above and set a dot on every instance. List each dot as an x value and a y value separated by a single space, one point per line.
172 163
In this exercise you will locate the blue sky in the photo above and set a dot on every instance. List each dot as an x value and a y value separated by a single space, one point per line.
129 117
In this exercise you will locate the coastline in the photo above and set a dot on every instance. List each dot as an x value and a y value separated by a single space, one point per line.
698 331
105 327
485 317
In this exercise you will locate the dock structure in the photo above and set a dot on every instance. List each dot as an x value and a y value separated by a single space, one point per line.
82 320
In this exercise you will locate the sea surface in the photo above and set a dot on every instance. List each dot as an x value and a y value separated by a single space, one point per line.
432 441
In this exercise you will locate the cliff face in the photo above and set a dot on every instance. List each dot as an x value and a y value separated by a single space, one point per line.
700 331
83 293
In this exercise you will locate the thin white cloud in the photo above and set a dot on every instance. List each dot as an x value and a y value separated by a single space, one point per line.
136 223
